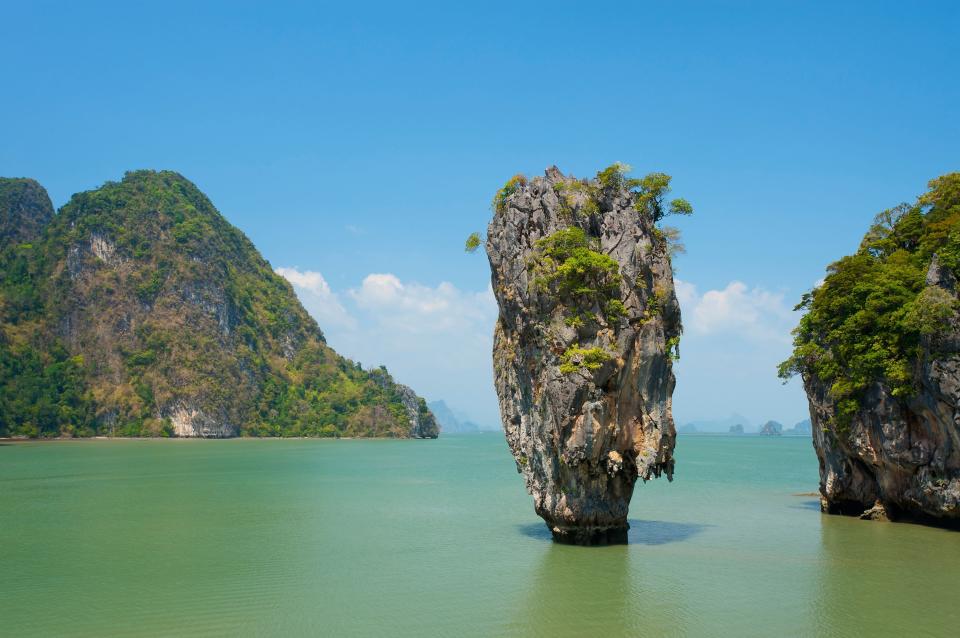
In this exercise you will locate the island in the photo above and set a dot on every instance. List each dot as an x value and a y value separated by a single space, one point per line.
879 353
139 310
587 332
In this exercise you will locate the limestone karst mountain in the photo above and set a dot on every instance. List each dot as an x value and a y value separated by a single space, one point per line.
771 428
800 428
718 426
584 344
25 209
879 353
449 423
138 310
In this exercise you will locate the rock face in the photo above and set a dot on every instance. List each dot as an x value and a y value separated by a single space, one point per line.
582 349
139 310
192 422
899 458
423 425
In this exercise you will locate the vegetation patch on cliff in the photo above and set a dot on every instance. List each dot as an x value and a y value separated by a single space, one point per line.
576 358
508 189
867 321
566 265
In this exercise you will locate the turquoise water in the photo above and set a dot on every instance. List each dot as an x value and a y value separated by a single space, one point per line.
438 538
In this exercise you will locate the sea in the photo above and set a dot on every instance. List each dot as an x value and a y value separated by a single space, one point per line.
254 537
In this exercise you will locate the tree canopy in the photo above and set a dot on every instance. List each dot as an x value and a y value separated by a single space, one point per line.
866 322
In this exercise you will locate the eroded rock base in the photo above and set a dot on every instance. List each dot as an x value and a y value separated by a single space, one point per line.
590 536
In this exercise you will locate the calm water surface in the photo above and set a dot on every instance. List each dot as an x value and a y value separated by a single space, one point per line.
439 538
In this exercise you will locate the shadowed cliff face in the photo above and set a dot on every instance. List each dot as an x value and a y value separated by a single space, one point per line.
25 209
899 458
582 361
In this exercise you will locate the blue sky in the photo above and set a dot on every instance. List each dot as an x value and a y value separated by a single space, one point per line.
357 144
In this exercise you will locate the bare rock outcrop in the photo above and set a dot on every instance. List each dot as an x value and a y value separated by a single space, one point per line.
192 422
583 347
423 425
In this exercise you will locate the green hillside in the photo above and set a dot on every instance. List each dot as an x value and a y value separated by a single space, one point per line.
138 310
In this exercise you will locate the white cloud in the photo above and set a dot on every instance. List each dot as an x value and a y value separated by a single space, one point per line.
734 337
317 297
686 294
751 313
417 309
436 339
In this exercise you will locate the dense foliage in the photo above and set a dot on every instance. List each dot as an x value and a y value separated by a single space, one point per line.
25 209
139 299
873 319
568 265
42 390
42 393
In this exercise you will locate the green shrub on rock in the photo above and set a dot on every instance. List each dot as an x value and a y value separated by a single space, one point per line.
508 189
576 358
567 262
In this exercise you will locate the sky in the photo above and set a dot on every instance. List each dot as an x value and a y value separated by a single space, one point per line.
358 144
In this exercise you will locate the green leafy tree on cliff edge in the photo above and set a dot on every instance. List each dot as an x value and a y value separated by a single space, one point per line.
866 322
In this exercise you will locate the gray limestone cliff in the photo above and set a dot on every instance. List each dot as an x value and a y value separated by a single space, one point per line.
423 424
583 348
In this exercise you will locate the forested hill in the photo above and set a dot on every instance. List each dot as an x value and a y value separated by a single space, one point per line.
138 310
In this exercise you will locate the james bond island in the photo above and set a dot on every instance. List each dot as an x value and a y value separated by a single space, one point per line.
879 353
583 348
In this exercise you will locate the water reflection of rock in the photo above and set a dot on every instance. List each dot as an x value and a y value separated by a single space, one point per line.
579 592
604 591
640 532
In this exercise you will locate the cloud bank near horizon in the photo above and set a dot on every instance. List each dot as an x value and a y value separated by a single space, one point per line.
438 340
733 340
